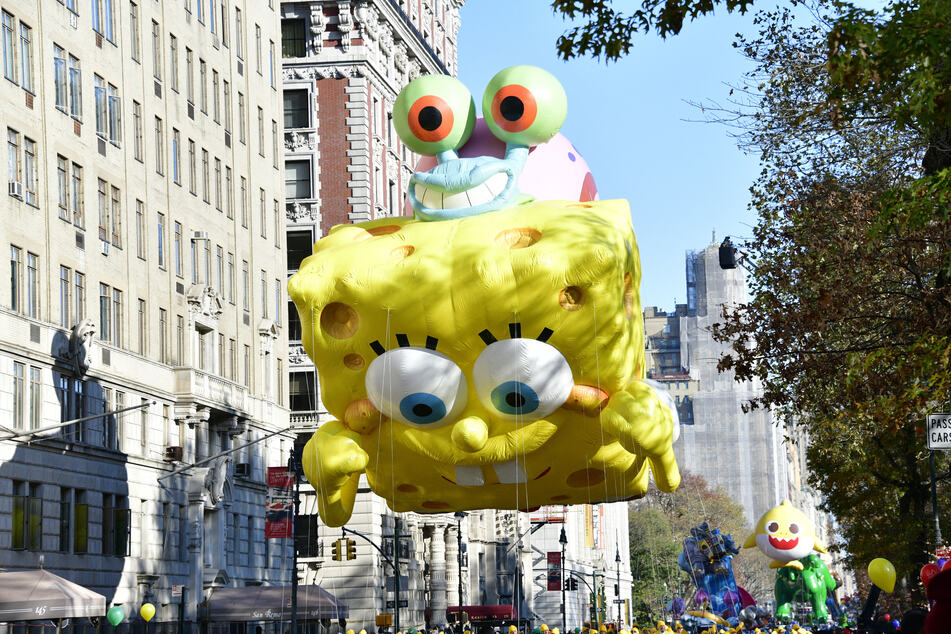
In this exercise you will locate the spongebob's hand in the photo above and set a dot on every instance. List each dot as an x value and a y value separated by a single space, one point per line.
333 461
643 425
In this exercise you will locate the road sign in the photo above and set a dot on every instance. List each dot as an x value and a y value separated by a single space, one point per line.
939 431
177 591
404 603
619 600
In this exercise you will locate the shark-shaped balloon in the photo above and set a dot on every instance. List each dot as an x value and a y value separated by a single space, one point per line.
785 535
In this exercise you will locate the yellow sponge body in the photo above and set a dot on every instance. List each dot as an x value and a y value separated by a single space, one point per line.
571 268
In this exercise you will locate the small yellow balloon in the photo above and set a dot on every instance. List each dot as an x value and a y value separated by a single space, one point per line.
882 573
147 611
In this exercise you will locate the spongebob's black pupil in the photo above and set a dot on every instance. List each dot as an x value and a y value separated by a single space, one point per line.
422 410
430 118
512 108
514 399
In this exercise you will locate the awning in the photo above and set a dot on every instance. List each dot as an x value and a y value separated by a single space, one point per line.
482 613
34 595
273 603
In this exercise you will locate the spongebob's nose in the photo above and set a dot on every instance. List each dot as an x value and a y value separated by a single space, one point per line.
470 434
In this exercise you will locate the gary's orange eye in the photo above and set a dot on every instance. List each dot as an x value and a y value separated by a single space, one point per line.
514 108
430 119
524 105
433 114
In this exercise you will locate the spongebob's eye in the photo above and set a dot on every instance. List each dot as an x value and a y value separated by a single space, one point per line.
434 113
524 105
416 386
522 379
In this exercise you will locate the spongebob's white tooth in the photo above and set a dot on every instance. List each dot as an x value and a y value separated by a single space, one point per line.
479 194
455 201
469 476
510 472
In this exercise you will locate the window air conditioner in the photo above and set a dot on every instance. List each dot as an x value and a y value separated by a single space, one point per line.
242 469
174 454
16 189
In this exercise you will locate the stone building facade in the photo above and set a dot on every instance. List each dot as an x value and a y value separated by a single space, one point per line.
144 295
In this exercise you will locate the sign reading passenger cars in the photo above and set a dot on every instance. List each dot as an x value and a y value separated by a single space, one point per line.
939 431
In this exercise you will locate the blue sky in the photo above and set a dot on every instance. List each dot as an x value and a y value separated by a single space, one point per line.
629 121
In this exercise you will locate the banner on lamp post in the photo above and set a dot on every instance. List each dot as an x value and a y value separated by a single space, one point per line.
279 514
554 570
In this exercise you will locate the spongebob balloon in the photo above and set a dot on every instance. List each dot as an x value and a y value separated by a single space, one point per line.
488 352
786 535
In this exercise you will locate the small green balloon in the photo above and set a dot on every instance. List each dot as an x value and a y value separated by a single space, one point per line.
147 611
115 615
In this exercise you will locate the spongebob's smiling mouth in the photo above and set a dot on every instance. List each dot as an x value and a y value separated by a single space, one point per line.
511 472
480 194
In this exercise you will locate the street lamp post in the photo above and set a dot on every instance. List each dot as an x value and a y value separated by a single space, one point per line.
563 540
617 562
459 516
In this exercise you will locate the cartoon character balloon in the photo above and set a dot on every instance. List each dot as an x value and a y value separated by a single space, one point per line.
489 352
707 557
787 536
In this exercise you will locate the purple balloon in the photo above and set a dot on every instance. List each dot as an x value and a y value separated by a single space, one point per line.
940 563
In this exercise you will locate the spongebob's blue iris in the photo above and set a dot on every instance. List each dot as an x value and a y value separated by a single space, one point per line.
514 398
422 408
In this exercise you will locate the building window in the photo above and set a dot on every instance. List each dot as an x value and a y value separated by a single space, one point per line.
176 159
65 288
29 171
297 179
177 249
242 125
303 391
26 57
16 279
173 61
105 313
257 47
224 23
203 85
272 70
278 216
103 206
293 39
163 335
36 386
231 277
159 147
247 366
79 296
263 293
99 97
141 323
13 155
215 96
117 317
134 31
192 168
205 177
245 285
77 200
117 526
189 76
226 93
32 285
156 50
75 88
277 302
65 513
296 109
140 246
160 238
137 130
299 246
238 34
59 77
9 49
179 340
27 516
293 323
19 403
80 523
115 115
260 131
274 153
262 205
229 195
62 187
220 269
244 202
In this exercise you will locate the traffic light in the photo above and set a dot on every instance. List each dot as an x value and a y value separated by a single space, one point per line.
351 549
336 556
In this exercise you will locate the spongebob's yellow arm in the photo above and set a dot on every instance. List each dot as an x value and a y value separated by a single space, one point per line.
333 461
643 425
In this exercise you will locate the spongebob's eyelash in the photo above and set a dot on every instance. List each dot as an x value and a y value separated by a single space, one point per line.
403 342
515 332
